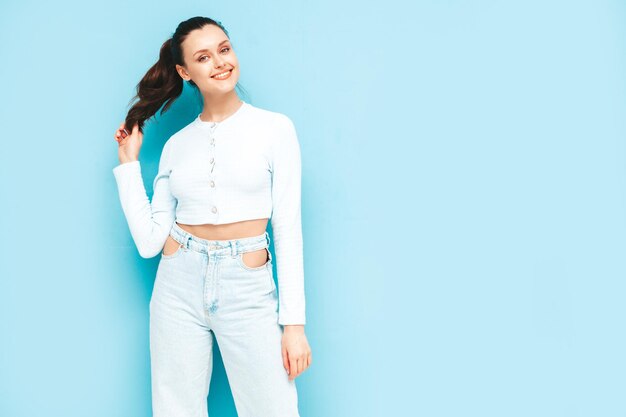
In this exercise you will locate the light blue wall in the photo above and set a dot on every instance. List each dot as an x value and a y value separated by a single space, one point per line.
464 199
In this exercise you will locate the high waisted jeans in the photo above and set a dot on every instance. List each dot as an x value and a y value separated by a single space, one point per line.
205 287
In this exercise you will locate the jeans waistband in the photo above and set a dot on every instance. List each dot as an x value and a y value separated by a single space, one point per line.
219 247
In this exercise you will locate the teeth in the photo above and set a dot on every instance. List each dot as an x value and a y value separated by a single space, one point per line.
222 75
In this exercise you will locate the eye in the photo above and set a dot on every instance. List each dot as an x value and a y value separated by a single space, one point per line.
223 49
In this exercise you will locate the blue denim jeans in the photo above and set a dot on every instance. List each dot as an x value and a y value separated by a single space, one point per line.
205 287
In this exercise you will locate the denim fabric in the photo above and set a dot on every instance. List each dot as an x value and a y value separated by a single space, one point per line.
205 287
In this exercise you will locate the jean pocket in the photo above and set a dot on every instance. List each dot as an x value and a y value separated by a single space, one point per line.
267 263
168 245
271 275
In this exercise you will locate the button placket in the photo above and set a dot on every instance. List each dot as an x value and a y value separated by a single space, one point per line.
212 162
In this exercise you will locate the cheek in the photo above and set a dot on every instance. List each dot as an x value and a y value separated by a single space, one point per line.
235 74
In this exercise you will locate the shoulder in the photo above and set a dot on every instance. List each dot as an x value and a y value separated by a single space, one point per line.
270 118
188 131
184 134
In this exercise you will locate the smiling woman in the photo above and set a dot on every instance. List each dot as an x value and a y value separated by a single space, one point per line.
220 180
213 58
211 43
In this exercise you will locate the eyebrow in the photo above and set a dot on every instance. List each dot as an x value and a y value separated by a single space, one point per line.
206 50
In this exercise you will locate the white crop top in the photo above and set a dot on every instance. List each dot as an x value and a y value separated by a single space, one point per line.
245 167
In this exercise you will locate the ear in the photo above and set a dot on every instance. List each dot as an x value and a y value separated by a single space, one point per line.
182 72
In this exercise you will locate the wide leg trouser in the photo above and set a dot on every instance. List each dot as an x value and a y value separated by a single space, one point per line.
205 287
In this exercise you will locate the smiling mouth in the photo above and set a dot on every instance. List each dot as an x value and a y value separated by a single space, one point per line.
223 75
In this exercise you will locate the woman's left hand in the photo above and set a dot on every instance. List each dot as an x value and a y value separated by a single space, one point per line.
296 350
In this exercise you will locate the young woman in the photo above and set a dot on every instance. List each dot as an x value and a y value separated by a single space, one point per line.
220 179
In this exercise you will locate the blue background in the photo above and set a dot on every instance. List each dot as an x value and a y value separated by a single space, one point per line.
464 202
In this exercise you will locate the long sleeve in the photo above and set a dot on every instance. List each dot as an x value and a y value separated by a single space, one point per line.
286 224
149 224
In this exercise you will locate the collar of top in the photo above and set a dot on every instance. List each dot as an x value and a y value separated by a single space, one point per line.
211 126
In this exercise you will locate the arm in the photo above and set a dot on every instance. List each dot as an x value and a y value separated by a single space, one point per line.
286 224
149 224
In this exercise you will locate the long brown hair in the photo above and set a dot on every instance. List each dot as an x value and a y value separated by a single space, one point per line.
162 84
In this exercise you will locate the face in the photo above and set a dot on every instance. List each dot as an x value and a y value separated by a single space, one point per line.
208 53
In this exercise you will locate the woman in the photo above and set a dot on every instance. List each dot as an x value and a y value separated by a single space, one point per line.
220 179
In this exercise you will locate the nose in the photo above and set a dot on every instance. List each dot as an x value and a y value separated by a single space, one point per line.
219 62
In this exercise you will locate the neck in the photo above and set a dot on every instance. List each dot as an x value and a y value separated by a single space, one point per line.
219 108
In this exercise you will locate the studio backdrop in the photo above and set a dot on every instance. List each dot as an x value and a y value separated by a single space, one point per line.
463 202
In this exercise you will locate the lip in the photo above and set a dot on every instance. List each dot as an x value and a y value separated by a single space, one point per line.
230 71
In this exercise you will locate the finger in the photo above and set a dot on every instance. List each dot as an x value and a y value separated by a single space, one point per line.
301 365
293 366
308 360
285 360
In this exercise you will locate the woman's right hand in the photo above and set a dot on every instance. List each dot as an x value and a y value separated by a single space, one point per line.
129 144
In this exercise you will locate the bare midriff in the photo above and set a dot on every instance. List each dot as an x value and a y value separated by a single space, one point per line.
237 230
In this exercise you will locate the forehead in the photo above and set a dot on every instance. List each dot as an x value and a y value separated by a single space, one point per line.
208 37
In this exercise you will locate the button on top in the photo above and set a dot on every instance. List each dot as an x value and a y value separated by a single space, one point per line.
214 209
212 183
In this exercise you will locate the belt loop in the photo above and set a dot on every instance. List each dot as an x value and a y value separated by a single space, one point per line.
187 242
233 248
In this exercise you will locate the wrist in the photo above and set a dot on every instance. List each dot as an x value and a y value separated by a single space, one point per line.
294 328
